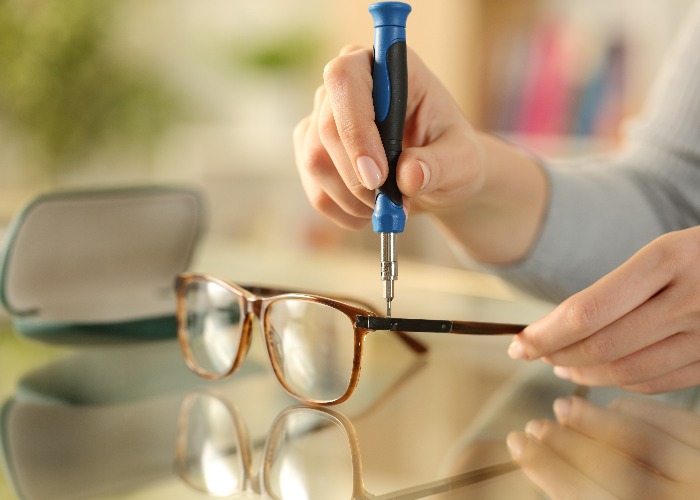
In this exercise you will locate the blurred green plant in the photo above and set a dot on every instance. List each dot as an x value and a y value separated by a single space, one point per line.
292 52
65 92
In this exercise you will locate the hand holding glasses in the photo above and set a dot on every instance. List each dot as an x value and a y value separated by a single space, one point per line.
314 342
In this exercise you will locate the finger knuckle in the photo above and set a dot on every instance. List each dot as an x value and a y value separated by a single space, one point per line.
582 313
625 373
336 71
322 203
316 163
600 348
673 251
536 345
327 127
352 131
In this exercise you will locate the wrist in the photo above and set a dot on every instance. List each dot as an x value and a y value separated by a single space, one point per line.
501 219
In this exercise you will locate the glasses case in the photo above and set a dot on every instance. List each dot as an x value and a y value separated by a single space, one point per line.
99 261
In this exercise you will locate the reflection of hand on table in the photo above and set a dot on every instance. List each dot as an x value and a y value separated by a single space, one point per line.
635 448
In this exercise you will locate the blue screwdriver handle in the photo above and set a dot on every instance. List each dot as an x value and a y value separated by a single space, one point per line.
390 93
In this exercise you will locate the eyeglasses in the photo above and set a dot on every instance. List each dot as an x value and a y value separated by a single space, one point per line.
314 342
304 448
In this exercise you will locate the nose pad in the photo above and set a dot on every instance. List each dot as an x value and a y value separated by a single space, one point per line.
251 326
278 344
275 344
273 340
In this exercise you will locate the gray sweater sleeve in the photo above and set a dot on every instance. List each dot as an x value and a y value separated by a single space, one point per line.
603 210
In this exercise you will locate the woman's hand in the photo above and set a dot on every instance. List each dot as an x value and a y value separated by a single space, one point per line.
340 156
637 327
636 449
486 194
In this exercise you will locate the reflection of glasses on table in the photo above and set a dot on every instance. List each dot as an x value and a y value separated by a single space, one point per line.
314 342
302 456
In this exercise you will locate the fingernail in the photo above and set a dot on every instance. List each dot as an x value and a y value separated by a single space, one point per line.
516 442
562 372
426 175
516 351
562 406
534 428
370 175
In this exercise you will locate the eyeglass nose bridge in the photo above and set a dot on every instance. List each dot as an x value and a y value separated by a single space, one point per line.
252 309
254 305
257 307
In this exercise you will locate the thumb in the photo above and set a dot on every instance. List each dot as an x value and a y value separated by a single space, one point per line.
453 162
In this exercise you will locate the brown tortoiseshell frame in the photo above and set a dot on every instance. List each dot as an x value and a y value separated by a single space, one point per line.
255 301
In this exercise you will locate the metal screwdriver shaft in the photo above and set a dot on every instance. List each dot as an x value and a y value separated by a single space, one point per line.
390 267
389 93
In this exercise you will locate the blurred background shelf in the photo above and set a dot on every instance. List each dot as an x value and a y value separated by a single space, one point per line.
572 69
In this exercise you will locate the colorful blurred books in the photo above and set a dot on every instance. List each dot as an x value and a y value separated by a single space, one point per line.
554 78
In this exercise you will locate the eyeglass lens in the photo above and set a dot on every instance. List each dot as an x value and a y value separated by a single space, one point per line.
311 343
213 326
306 456
211 458
310 458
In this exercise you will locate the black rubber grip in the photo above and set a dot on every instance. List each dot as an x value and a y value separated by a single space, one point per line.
391 128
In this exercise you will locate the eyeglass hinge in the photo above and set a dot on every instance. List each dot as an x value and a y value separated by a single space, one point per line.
403 324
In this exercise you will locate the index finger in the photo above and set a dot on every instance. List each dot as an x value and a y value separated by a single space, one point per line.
348 82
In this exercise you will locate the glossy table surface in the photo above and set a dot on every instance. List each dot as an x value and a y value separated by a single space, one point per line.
124 418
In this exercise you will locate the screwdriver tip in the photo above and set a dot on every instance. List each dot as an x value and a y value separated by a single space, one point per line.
388 308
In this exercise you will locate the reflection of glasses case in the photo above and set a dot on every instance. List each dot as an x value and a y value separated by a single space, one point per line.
100 260
103 422
70 452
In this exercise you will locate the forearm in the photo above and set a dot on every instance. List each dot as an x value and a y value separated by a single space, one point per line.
500 224
553 229
602 211
598 216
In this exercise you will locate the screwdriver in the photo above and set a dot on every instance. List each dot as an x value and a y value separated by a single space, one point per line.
389 95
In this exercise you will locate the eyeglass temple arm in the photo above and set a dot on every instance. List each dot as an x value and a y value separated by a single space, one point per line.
453 483
436 326
415 345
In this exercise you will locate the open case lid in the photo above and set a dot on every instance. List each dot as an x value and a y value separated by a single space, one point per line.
99 256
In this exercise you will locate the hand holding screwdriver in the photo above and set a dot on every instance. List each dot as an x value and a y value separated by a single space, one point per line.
485 195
